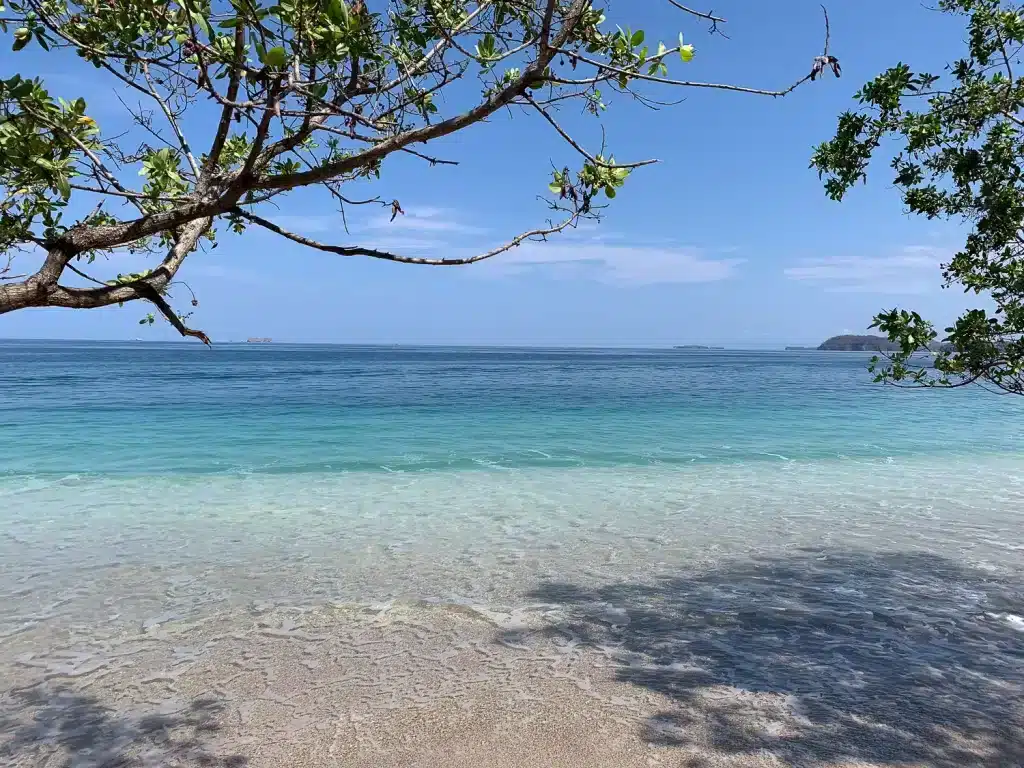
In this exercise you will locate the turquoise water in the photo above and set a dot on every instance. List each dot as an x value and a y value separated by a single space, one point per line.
178 410
186 479
840 560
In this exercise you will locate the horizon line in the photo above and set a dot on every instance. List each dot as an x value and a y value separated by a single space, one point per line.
696 347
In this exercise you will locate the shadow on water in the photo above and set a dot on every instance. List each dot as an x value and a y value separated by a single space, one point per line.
890 658
42 724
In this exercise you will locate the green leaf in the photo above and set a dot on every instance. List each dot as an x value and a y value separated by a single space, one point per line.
610 191
338 12
21 38
686 52
229 23
638 37
203 23
555 187
276 58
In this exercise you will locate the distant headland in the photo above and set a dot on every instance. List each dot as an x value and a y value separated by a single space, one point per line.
853 343
867 344
257 340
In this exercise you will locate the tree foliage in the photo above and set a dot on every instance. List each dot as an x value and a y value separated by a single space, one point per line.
250 99
961 157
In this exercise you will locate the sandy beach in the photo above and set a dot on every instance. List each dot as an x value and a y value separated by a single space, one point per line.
415 685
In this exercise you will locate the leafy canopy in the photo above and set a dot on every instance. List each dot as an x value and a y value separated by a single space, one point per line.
961 157
243 101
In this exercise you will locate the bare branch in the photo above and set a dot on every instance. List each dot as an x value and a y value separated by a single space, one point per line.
545 25
604 67
147 291
224 126
387 256
172 120
700 14
428 158
123 193
577 147
532 74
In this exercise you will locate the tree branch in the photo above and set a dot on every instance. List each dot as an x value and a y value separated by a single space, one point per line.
227 111
603 67
182 142
387 256
532 74
699 14
149 287
572 142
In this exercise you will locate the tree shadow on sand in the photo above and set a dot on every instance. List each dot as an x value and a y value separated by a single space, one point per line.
41 724
889 658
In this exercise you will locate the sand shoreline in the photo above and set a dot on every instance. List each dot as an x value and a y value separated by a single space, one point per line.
420 685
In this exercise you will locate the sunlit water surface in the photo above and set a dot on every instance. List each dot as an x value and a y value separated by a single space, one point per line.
143 486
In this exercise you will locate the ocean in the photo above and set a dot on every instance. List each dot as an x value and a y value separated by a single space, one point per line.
150 486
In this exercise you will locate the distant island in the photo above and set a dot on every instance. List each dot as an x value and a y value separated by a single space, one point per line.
693 347
858 344
257 340
801 349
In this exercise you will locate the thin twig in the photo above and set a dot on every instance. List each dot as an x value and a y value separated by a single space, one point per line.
182 141
572 142
700 14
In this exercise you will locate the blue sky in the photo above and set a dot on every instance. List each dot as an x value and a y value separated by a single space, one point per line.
729 240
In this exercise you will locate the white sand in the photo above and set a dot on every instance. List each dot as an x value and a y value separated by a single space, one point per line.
408 686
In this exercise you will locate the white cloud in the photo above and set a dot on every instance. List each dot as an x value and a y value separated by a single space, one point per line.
401 245
620 264
913 269
307 225
581 253
424 220
416 220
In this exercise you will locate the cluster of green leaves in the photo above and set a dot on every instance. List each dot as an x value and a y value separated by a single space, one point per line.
40 138
961 157
162 169
601 176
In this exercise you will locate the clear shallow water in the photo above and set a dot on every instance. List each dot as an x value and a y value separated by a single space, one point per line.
770 524
299 472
